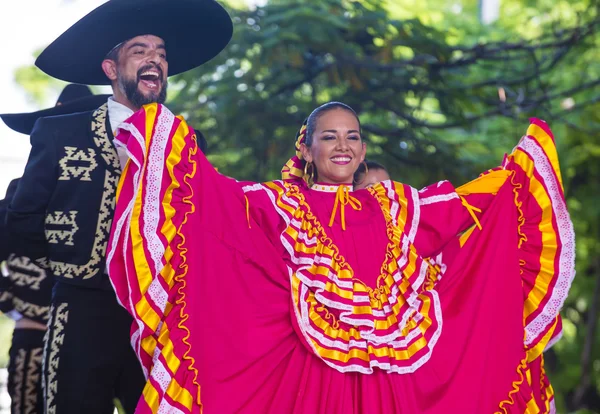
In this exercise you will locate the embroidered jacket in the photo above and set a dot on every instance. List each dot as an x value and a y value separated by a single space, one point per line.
61 214
5 242
25 287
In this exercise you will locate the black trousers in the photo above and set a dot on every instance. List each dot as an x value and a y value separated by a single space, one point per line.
25 372
88 359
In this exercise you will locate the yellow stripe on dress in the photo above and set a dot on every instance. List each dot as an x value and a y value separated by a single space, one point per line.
547 144
486 184
142 267
151 397
549 237
168 229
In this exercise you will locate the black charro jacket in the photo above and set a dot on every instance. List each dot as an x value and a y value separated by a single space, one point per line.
61 213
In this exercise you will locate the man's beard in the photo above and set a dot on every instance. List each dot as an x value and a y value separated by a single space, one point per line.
130 88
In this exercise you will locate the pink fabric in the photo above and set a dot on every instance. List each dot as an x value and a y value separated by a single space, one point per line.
234 327
249 353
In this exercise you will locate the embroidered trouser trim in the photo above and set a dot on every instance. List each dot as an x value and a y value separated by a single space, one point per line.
24 372
89 360
55 339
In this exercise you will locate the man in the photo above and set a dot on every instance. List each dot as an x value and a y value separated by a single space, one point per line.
65 201
26 288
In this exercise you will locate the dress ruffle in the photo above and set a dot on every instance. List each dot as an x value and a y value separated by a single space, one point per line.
153 203
546 252
547 238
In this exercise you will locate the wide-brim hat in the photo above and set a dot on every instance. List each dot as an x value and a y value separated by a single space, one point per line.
73 98
194 32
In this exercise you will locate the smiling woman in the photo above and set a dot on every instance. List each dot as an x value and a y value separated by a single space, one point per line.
334 147
289 296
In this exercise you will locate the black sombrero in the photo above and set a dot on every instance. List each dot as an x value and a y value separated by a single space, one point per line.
73 98
194 32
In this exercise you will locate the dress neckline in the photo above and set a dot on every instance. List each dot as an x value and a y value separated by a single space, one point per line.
330 188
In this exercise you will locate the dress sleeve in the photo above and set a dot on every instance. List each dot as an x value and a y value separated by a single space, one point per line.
546 245
169 194
546 235
444 212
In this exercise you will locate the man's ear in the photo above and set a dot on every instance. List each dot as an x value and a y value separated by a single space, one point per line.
110 69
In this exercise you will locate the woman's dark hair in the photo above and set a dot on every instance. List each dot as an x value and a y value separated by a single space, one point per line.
362 169
313 118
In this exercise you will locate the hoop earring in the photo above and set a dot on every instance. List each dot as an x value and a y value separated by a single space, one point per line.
309 178
366 167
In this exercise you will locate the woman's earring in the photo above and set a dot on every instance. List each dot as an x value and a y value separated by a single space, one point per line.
309 178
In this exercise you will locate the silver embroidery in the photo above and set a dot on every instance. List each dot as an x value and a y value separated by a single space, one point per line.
77 163
107 204
67 225
107 149
18 379
30 310
56 338
32 380
25 273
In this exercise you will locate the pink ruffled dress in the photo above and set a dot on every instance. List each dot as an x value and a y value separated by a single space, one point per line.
279 298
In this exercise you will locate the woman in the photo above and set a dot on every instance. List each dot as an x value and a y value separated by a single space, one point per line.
290 296
368 174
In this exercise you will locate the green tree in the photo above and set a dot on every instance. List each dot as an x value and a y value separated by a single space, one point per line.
38 86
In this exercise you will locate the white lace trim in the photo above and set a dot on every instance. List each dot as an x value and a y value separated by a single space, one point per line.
152 203
253 187
160 375
437 198
414 223
566 271
552 406
158 294
438 185
391 194
166 408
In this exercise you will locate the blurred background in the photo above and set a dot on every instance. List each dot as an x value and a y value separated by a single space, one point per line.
443 87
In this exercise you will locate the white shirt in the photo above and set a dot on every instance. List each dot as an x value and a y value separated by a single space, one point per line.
117 113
